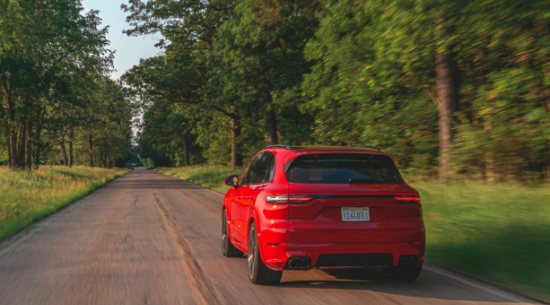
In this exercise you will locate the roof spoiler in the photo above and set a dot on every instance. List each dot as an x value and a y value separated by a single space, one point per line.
368 147
279 146
290 147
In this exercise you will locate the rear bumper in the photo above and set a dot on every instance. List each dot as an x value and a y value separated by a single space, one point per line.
276 256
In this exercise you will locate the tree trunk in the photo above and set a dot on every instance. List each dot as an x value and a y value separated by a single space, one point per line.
236 158
447 97
271 126
12 134
105 155
7 135
548 165
63 152
489 158
71 156
37 139
28 162
185 148
91 146
36 160
22 143
265 89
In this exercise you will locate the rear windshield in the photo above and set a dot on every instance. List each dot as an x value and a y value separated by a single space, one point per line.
343 169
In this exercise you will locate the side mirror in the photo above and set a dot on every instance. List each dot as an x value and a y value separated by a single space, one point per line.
232 180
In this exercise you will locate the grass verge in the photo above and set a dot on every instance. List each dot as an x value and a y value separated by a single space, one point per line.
496 232
500 233
208 176
28 196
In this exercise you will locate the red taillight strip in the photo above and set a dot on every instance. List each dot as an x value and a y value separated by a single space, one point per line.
292 198
276 199
408 199
287 199
309 198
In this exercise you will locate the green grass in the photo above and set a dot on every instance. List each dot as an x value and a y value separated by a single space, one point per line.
497 232
28 196
500 233
208 176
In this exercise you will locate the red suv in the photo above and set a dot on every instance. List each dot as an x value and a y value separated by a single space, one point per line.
302 207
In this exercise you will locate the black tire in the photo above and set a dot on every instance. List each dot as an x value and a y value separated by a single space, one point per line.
258 273
403 273
228 250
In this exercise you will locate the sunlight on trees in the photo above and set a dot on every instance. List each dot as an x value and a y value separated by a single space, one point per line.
56 103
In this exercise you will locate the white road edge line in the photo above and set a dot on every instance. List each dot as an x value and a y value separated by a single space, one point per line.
476 285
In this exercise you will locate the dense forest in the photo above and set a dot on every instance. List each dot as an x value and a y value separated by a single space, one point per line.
57 104
449 88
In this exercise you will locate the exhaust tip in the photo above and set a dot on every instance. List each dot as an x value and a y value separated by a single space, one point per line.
299 263
408 260
294 263
305 263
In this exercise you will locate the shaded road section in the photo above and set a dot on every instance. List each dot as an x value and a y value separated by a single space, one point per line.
148 238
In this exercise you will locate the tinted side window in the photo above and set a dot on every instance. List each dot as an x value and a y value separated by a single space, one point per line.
261 170
250 175
266 168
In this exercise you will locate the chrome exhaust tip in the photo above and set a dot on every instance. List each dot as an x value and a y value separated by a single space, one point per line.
294 263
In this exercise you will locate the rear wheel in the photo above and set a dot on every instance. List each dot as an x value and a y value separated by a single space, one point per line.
258 273
401 273
228 249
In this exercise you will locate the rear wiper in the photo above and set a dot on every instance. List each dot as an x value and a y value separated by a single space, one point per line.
361 181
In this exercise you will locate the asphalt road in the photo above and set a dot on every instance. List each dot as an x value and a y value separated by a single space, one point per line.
148 238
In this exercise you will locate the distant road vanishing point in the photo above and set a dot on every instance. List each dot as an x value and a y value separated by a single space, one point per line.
148 238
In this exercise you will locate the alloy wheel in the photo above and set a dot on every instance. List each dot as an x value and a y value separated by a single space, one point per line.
224 232
251 253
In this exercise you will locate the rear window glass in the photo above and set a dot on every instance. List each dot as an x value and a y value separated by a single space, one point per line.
343 169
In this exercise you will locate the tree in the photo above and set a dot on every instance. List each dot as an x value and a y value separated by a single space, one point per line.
42 47
261 51
444 86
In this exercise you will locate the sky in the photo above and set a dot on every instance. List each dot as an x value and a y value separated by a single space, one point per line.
128 49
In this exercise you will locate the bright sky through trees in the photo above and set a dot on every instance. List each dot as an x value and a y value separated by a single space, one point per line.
128 49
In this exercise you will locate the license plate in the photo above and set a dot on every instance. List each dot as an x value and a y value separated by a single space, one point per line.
355 214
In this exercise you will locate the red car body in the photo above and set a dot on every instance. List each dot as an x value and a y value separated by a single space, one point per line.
308 225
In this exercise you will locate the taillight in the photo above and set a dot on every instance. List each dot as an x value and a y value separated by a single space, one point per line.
407 199
287 199
276 199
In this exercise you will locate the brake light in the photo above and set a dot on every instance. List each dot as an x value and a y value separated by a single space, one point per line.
276 199
287 199
300 199
407 199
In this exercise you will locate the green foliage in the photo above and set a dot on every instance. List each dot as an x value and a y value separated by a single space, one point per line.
148 163
55 98
26 197
346 72
374 82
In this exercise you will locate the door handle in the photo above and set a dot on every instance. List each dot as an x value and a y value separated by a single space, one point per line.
239 197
